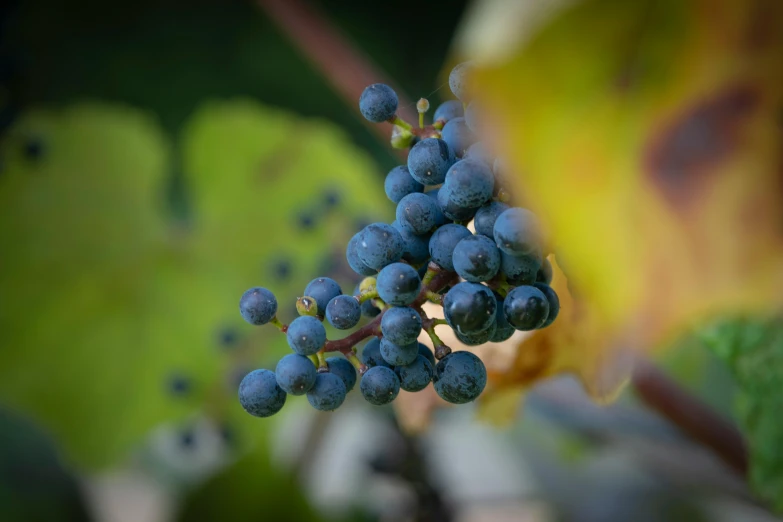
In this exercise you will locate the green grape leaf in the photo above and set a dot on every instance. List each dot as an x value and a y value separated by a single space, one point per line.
253 171
593 107
104 300
753 349
80 228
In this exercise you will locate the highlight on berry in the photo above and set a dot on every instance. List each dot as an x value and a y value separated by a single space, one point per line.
489 284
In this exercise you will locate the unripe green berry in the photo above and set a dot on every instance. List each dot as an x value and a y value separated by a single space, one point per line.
401 138
307 306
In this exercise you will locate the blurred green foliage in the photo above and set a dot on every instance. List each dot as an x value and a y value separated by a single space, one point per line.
105 297
34 484
167 56
753 349
250 489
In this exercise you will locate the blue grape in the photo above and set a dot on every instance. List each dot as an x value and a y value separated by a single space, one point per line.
379 245
380 385
371 354
343 312
418 213
448 110
378 103
416 375
476 259
553 300
526 308
352 256
478 152
306 335
328 392
458 80
258 306
460 377
398 284
425 352
469 307
477 338
416 248
341 367
517 232
401 325
399 183
485 218
398 354
260 395
323 290
450 209
544 274
442 244
429 160
503 329
470 183
520 270
295 374
458 136
434 195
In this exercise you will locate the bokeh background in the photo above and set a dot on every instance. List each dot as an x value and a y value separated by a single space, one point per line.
157 158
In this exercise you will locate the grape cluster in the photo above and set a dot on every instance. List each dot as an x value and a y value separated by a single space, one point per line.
489 283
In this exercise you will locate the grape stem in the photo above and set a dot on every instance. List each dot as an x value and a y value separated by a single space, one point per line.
434 298
346 344
396 120
280 326
500 285
661 393
322 366
432 271
441 350
359 365
367 296
436 281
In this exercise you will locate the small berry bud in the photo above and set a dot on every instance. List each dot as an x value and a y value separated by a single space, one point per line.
401 138
368 285
423 105
307 306
442 351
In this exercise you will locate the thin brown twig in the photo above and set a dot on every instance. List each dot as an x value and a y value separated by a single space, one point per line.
373 328
345 344
661 393
350 72
337 60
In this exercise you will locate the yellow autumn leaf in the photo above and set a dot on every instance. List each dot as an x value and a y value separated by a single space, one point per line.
647 137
